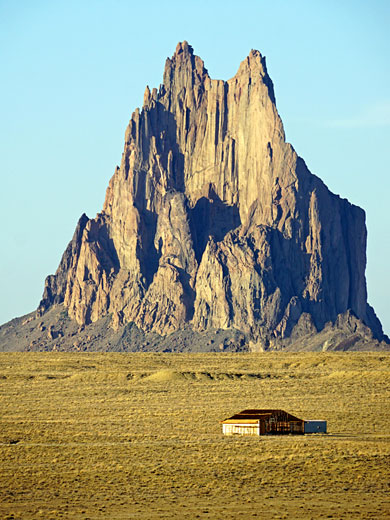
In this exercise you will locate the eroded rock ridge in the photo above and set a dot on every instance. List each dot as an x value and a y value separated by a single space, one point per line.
213 221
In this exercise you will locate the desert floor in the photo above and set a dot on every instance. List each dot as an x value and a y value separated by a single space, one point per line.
137 436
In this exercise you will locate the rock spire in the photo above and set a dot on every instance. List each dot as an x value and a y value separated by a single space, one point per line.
213 221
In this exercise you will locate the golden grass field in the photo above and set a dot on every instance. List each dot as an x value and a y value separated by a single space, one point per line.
137 436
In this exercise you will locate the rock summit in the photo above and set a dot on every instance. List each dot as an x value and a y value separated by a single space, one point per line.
213 223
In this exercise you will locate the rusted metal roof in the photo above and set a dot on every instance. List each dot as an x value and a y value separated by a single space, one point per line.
255 414
257 411
253 417
241 421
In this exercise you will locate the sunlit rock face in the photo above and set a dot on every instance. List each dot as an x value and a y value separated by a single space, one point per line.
213 221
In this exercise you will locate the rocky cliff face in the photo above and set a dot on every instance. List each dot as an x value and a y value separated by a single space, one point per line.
213 221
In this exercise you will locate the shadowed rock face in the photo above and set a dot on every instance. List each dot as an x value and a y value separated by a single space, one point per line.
213 220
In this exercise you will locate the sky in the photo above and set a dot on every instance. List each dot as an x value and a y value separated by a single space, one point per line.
72 73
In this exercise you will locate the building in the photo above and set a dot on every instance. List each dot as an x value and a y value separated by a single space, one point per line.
262 422
315 426
269 422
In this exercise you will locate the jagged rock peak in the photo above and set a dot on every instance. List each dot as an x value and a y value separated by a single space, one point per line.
184 63
212 221
183 48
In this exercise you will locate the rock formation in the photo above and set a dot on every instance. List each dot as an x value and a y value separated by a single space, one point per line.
212 221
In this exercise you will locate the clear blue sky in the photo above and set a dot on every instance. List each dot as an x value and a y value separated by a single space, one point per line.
72 72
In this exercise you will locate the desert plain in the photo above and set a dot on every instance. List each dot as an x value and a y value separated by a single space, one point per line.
137 436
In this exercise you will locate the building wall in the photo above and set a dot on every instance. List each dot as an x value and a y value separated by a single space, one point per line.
315 426
269 426
240 429
274 426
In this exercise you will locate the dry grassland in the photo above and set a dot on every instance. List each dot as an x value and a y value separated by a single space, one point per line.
137 436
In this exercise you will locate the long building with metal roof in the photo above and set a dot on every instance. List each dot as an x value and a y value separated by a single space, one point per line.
262 422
